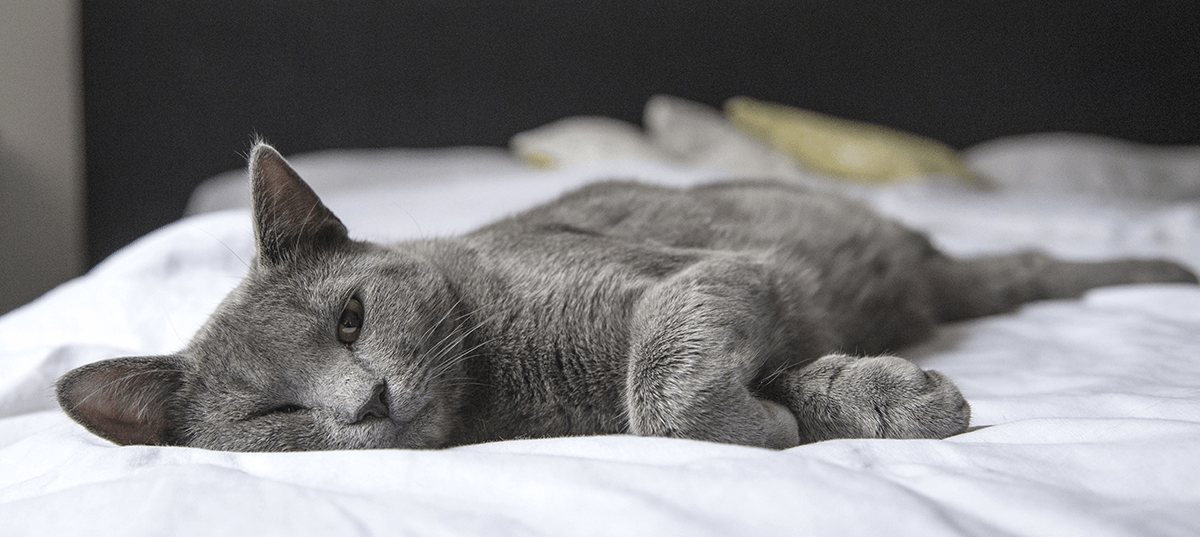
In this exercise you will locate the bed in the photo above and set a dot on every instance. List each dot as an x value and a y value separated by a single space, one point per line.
1086 412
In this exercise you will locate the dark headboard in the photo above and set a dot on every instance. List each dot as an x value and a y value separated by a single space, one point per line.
174 89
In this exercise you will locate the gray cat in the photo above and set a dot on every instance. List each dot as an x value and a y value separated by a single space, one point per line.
727 312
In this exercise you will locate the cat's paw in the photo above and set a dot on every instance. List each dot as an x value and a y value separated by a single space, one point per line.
875 397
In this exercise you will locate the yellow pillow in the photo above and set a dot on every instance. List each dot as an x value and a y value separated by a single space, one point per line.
844 148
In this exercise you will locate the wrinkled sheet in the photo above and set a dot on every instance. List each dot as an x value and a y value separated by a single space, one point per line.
1090 407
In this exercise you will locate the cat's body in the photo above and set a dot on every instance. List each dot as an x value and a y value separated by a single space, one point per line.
575 273
725 312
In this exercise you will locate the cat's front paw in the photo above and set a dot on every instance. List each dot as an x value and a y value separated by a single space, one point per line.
875 397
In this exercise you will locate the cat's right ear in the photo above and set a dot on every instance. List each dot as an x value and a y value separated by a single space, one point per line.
126 400
289 219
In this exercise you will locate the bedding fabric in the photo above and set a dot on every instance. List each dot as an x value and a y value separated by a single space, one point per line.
1090 407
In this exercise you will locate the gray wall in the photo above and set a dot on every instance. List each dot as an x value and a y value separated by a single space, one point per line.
41 155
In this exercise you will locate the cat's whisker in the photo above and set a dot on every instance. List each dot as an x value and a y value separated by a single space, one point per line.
171 323
454 382
444 346
453 339
227 247
461 357
429 360
447 364
433 328
783 368
410 217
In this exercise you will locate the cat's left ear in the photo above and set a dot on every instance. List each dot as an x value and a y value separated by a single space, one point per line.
289 219
126 400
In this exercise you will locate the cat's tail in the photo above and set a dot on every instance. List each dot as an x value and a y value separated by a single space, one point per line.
966 288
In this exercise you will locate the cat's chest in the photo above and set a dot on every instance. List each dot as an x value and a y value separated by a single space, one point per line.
552 339
564 380
560 332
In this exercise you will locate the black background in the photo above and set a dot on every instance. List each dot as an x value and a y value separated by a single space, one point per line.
174 89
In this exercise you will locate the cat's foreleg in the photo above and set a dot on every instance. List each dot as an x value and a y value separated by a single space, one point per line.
965 288
697 343
841 396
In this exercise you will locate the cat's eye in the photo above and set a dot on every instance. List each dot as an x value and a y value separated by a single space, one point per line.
287 409
290 408
350 322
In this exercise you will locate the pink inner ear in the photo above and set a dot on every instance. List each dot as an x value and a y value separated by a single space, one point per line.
285 208
280 188
124 400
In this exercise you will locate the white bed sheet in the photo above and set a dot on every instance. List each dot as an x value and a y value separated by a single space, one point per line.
1093 405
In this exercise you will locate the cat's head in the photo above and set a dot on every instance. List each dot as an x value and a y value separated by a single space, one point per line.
328 343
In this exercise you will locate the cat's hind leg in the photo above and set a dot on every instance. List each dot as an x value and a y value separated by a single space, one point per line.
697 342
966 288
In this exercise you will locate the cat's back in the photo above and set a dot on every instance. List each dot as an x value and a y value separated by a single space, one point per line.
733 215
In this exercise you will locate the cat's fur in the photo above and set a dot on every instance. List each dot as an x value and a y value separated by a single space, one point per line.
728 312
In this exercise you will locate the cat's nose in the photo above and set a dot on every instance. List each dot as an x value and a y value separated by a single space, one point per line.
376 405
